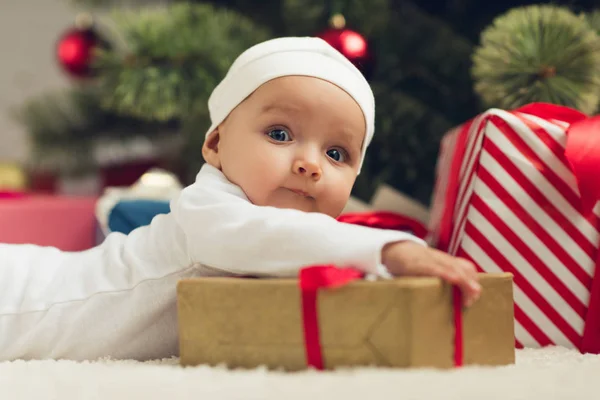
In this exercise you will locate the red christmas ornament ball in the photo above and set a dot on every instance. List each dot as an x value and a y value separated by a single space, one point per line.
352 45
75 51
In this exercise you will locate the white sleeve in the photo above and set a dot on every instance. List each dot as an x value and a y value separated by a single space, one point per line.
227 232
117 299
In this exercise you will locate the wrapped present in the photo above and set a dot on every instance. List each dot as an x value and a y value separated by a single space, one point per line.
517 192
123 209
330 318
63 222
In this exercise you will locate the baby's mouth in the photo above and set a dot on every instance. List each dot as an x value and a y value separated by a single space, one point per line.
301 193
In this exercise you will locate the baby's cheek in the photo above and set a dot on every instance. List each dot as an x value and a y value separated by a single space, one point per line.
344 191
334 201
262 184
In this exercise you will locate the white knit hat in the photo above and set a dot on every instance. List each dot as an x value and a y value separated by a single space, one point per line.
288 56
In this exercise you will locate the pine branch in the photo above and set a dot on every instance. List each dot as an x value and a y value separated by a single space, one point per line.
173 59
593 19
405 145
421 55
539 54
103 4
72 134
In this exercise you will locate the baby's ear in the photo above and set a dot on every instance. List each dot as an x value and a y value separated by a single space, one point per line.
210 149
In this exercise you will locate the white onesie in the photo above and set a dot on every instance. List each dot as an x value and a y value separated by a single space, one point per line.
119 298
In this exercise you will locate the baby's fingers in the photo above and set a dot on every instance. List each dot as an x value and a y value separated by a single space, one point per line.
462 273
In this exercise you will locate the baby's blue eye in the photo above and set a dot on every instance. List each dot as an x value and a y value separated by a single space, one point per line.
336 155
279 135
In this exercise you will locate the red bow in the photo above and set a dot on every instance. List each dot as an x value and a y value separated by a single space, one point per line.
327 277
385 220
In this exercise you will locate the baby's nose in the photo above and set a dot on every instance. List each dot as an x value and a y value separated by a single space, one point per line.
307 168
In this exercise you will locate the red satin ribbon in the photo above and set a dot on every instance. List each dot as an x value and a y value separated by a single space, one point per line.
311 280
552 111
583 153
385 220
457 302
328 277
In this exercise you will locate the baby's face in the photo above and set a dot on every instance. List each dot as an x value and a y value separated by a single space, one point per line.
294 143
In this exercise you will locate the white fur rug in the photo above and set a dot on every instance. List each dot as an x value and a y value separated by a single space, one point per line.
552 373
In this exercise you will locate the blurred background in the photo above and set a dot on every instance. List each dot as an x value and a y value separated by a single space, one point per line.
93 93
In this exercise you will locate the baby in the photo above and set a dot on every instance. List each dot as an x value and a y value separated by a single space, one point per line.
291 122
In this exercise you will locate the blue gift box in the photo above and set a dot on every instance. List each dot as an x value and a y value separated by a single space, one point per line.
128 215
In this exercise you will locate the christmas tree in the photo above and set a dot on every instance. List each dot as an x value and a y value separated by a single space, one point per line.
152 80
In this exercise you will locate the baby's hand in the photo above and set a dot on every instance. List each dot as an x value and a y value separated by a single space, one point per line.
409 258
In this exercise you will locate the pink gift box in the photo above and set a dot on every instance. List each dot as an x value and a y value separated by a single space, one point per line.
67 223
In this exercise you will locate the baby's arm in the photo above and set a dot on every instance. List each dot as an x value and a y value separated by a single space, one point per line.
225 231
117 299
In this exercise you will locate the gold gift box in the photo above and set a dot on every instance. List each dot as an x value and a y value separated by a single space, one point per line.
404 322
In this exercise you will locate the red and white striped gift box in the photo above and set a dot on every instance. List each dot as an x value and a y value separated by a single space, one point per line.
442 172
507 197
